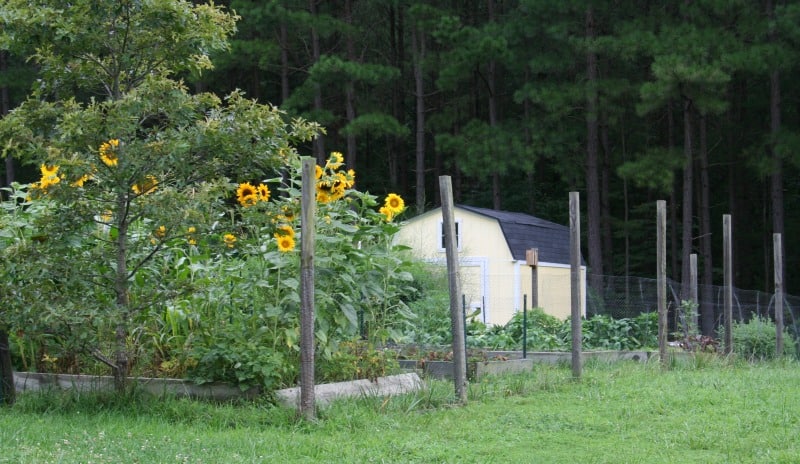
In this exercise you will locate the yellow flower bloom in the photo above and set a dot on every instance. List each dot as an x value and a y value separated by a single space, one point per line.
192 230
108 152
283 231
49 176
229 239
394 203
148 185
82 180
336 160
285 243
161 232
318 172
387 212
263 192
192 241
246 194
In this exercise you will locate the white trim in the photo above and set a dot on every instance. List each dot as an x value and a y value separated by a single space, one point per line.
459 235
483 263
546 264
517 286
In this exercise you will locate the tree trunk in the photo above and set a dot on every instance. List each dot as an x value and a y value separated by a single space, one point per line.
592 166
350 93
7 391
418 45
121 358
706 291
319 140
776 179
686 215
491 78
5 106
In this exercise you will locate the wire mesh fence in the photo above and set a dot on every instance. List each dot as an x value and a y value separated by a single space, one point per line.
630 296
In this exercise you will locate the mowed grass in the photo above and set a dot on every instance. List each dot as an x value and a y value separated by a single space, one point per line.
718 412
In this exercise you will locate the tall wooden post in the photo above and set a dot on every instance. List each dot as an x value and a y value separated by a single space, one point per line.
661 279
7 392
308 231
693 295
727 270
456 319
575 283
778 258
532 260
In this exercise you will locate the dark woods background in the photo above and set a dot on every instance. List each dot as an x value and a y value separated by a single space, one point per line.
628 102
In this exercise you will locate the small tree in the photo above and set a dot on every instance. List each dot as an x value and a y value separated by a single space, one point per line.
146 154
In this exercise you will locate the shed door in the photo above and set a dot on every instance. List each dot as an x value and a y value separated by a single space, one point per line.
473 282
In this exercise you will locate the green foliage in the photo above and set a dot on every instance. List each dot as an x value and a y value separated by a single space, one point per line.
755 339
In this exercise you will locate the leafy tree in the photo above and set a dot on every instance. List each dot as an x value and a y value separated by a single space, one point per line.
145 153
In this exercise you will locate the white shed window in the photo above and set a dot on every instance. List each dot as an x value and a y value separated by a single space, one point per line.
458 235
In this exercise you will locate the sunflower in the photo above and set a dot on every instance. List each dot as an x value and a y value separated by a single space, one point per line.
284 231
246 194
263 192
394 203
108 152
285 243
336 160
318 172
82 180
229 239
148 185
49 176
387 212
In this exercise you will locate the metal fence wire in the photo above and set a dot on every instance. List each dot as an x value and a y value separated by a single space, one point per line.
623 297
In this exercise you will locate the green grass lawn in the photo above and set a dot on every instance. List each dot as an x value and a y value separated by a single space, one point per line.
622 413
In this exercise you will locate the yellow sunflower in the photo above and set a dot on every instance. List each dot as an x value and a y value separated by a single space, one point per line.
82 180
285 243
263 192
394 203
148 185
108 152
318 172
246 194
387 212
49 176
284 231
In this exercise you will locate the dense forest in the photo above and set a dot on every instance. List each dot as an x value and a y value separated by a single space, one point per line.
521 101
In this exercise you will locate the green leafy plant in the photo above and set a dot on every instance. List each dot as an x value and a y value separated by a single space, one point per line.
756 339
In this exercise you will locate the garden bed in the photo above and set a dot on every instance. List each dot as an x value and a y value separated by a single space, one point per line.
503 362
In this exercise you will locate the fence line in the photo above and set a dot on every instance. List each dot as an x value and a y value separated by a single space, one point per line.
630 296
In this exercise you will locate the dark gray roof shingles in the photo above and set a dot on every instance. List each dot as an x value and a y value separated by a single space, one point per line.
523 231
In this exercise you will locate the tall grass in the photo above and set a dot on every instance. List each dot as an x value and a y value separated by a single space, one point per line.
712 411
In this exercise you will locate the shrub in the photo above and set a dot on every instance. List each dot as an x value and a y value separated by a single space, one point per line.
756 338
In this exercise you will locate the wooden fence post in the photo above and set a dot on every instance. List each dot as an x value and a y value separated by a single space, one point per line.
778 258
575 283
456 318
532 260
307 237
727 270
661 279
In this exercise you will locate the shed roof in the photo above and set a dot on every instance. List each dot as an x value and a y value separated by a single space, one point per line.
523 232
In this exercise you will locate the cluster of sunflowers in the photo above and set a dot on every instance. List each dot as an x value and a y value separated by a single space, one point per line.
332 183
249 195
392 206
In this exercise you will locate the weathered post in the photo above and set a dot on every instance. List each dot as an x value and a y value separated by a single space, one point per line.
661 279
456 320
575 283
532 260
7 392
308 230
694 328
727 270
778 258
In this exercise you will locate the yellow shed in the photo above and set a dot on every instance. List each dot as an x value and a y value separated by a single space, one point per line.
493 271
